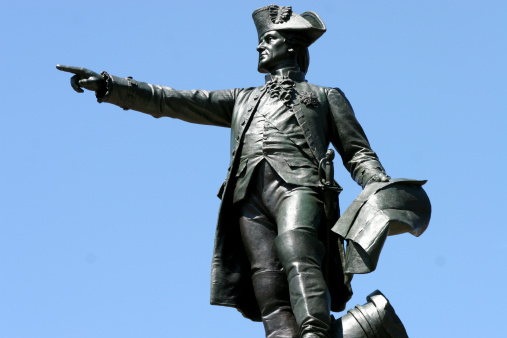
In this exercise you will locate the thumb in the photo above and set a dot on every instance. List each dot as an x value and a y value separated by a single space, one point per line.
91 83
84 83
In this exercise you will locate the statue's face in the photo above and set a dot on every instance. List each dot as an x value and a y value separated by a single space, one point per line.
272 51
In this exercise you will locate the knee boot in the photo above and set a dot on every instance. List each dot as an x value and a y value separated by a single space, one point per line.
301 256
272 294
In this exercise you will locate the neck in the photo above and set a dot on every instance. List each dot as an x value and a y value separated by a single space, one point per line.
291 72
286 65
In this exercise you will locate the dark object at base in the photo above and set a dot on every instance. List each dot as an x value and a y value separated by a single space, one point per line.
375 319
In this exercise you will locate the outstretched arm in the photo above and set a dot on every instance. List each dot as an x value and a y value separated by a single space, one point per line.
194 106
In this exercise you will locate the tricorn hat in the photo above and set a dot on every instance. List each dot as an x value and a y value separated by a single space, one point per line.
382 209
281 18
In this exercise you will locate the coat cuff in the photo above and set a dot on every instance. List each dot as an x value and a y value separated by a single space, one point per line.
366 171
119 91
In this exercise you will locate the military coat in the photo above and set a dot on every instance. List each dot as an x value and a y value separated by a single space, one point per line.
325 117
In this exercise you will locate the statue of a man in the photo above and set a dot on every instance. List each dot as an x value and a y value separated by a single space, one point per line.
272 259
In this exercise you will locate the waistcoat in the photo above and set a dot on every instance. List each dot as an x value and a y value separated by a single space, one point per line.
274 134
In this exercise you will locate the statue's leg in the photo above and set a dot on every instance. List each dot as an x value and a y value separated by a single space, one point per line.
300 213
272 294
301 256
268 279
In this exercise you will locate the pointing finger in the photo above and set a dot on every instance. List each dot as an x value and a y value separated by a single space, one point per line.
72 69
74 83
69 69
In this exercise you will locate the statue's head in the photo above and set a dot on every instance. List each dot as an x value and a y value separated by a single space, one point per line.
284 37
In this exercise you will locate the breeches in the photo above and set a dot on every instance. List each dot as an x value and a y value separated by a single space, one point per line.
273 207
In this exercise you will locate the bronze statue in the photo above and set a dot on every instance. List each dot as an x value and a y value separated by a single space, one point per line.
275 257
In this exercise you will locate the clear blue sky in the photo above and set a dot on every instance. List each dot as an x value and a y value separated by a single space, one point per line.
108 216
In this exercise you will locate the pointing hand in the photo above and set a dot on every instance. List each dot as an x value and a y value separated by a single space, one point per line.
84 78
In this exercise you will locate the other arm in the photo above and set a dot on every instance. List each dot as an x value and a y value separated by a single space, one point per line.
350 141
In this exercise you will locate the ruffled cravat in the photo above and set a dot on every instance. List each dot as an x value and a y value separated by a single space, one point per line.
281 88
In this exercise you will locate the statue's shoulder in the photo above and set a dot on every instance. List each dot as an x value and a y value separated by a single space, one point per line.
333 93
325 89
244 95
318 88
245 92
321 92
332 96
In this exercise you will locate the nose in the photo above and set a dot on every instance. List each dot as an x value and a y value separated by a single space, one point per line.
260 47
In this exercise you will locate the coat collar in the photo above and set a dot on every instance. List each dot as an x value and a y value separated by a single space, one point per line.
290 73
